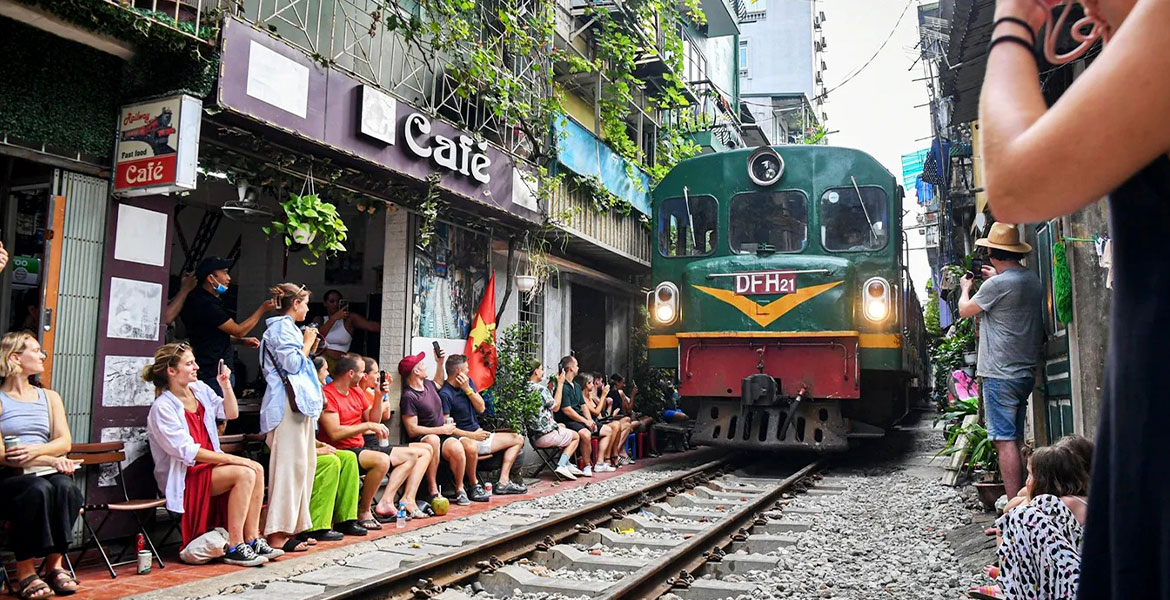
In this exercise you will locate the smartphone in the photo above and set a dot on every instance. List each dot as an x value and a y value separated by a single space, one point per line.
435 345
383 377
343 304
219 370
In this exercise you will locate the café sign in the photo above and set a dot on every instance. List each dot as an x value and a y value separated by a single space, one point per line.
158 146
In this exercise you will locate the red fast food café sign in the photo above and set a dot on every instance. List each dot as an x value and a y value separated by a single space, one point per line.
158 146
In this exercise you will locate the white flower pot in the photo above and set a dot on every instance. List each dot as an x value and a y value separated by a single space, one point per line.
970 357
525 283
302 235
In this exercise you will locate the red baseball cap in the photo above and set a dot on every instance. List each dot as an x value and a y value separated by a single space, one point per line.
406 365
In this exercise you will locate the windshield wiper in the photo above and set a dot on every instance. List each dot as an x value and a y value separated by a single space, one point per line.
690 219
864 210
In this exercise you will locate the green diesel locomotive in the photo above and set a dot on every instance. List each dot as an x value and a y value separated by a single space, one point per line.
781 296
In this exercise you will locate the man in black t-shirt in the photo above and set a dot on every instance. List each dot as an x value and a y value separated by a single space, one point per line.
211 328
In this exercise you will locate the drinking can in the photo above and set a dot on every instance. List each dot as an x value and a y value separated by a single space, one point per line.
488 488
11 441
141 542
144 560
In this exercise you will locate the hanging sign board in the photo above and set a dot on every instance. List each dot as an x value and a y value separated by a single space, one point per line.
158 146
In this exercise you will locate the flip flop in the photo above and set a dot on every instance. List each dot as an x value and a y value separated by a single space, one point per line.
295 545
985 592
55 580
371 524
391 518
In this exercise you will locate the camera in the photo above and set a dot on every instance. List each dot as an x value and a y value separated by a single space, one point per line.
765 166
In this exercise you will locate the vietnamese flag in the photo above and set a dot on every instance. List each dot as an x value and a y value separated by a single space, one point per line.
481 341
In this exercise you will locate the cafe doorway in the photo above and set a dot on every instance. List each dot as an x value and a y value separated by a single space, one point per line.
25 205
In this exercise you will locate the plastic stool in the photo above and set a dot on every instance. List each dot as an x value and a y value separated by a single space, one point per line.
632 445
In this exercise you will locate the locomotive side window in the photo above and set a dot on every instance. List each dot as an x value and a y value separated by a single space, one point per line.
853 224
775 220
687 226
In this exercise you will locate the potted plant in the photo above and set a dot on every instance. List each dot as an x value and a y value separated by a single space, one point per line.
312 222
514 402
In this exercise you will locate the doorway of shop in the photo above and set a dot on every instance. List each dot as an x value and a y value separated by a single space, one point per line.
587 329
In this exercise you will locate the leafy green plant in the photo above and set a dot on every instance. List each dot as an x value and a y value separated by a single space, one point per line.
981 454
307 215
516 404
931 316
947 355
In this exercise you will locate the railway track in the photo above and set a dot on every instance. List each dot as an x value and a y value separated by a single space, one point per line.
677 535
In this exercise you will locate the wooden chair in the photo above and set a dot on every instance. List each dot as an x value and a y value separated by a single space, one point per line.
113 453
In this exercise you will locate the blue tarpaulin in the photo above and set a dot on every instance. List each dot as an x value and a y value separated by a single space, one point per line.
586 155
912 166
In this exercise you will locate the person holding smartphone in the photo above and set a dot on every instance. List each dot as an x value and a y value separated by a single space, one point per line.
339 324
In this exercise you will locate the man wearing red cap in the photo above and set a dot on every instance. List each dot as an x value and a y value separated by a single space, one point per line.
422 415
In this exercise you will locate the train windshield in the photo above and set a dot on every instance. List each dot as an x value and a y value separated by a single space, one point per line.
854 224
687 226
776 221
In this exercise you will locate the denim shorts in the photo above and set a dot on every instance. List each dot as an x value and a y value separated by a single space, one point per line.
1004 403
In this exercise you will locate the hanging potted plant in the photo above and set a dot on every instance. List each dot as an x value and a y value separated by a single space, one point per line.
310 222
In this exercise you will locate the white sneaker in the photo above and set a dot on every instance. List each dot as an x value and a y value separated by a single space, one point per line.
602 468
588 472
566 473
574 470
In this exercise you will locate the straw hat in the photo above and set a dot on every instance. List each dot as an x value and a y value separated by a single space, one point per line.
1004 236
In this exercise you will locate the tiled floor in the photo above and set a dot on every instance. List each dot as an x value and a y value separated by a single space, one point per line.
97 584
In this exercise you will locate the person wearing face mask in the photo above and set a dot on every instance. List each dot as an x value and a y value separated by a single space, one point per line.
211 327
1107 134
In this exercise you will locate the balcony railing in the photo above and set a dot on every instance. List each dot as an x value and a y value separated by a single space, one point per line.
351 35
750 11
193 18
712 112
572 211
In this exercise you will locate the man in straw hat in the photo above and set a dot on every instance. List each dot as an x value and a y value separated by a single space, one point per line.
1010 333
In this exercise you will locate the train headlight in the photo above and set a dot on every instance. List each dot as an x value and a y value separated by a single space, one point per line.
876 299
765 167
665 309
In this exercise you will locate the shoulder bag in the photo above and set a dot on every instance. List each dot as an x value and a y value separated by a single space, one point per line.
289 392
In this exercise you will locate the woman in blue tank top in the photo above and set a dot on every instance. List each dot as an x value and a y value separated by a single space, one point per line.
37 495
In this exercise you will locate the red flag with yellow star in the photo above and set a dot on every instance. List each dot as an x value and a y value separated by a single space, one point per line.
481 340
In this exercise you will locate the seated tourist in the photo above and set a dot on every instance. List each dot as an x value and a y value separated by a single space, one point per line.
336 487
544 431
462 403
343 424
422 416
377 384
1040 554
207 487
574 413
613 408
37 496
607 431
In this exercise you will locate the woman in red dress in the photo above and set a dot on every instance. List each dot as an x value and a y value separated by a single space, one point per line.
206 486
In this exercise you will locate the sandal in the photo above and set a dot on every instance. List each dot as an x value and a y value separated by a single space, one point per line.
33 585
295 545
371 524
63 582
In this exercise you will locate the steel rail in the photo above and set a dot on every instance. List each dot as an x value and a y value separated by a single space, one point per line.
655 580
425 579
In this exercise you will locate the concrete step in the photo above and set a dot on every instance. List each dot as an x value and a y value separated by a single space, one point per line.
739 563
713 589
563 556
510 577
685 500
334 576
640 522
619 540
763 543
659 508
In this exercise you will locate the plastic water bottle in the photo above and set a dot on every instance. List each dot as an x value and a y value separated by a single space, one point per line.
400 522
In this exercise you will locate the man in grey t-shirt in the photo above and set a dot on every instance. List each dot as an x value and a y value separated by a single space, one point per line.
1010 333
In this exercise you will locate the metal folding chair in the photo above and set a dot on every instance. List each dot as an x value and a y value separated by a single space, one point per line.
95 455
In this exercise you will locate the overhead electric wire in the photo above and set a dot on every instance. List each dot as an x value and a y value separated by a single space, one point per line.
871 58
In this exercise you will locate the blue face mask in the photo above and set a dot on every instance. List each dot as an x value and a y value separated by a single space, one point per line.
219 287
